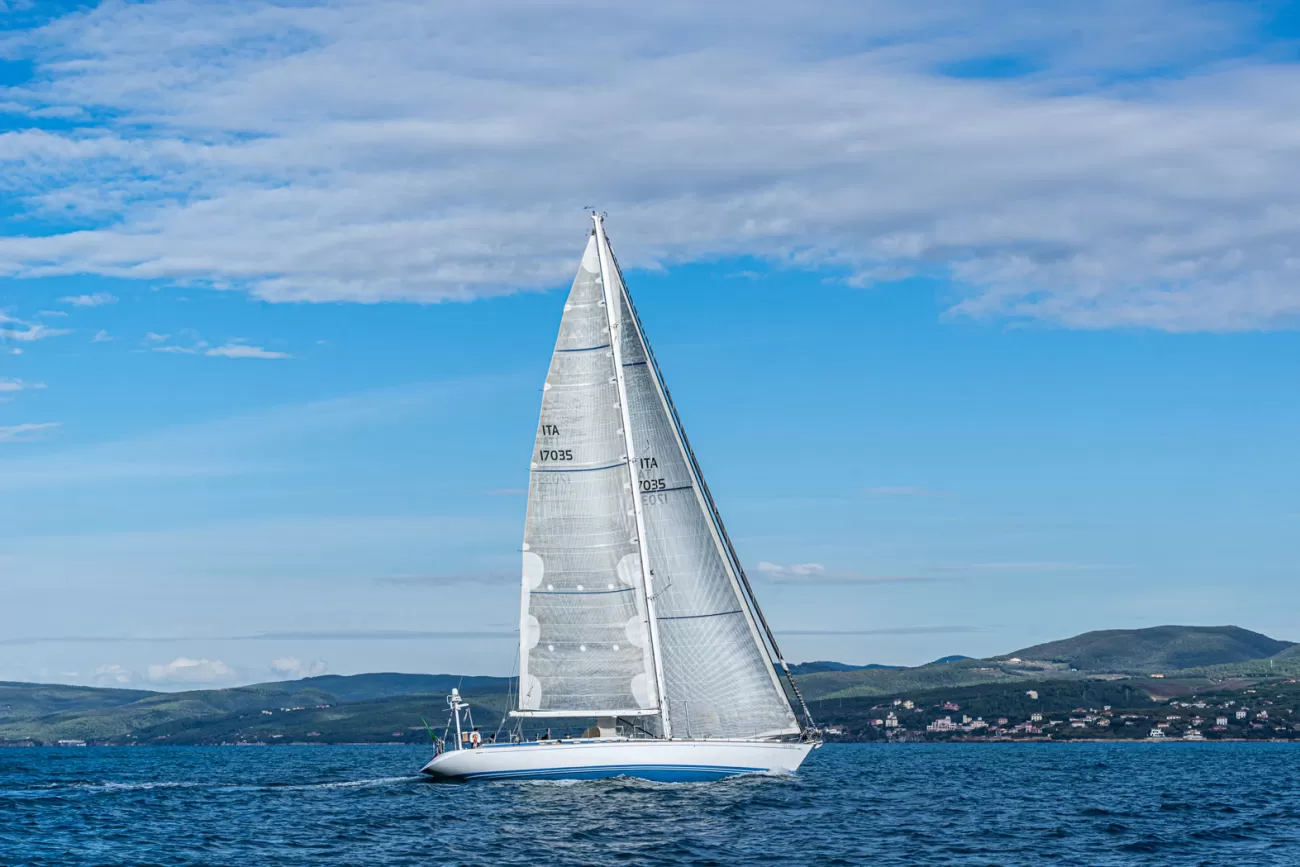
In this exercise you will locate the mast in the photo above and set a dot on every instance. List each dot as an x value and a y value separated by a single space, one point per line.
715 517
647 581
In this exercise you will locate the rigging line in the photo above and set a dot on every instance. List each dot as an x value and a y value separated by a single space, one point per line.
510 693
634 725
661 591
708 496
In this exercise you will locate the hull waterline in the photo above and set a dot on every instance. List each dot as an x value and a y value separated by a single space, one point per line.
663 761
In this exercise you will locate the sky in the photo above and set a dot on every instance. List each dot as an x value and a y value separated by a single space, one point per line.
982 320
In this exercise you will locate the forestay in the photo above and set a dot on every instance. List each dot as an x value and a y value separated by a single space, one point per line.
717 675
584 633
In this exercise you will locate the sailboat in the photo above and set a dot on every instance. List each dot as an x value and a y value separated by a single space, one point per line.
635 610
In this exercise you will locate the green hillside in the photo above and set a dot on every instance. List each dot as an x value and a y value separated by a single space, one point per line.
1156 649
83 714
990 700
1284 664
823 665
1197 652
362 687
1105 667
22 700
935 675
394 719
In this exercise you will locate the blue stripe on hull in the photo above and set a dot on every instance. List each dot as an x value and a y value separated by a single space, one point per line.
655 773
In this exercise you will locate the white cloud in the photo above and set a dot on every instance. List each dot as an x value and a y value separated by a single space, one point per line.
245 152
21 433
11 385
112 675
233 348
811 574
798 569
102 336
182 669
96 300
28 332
293 668
243 350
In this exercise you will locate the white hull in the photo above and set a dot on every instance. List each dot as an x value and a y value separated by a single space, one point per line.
664 761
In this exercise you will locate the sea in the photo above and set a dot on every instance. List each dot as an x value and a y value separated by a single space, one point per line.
913 804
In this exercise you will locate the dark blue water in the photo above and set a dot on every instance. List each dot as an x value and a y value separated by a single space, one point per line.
1086 804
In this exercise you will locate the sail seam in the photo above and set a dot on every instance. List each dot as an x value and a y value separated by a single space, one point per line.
585 348
698 616
585 470
578 592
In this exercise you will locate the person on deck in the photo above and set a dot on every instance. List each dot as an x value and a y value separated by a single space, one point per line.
475 739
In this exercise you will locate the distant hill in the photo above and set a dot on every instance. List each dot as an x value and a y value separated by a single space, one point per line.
387 707
363 687
991 699
1197 652
21 700
1156 649
51 712
823 665
900 681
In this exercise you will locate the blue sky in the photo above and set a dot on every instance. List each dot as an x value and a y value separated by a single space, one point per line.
982 322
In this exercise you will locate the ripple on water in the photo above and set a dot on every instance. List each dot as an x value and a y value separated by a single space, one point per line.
1084 804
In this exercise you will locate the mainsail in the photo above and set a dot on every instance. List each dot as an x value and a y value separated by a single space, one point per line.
596 524
584 636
